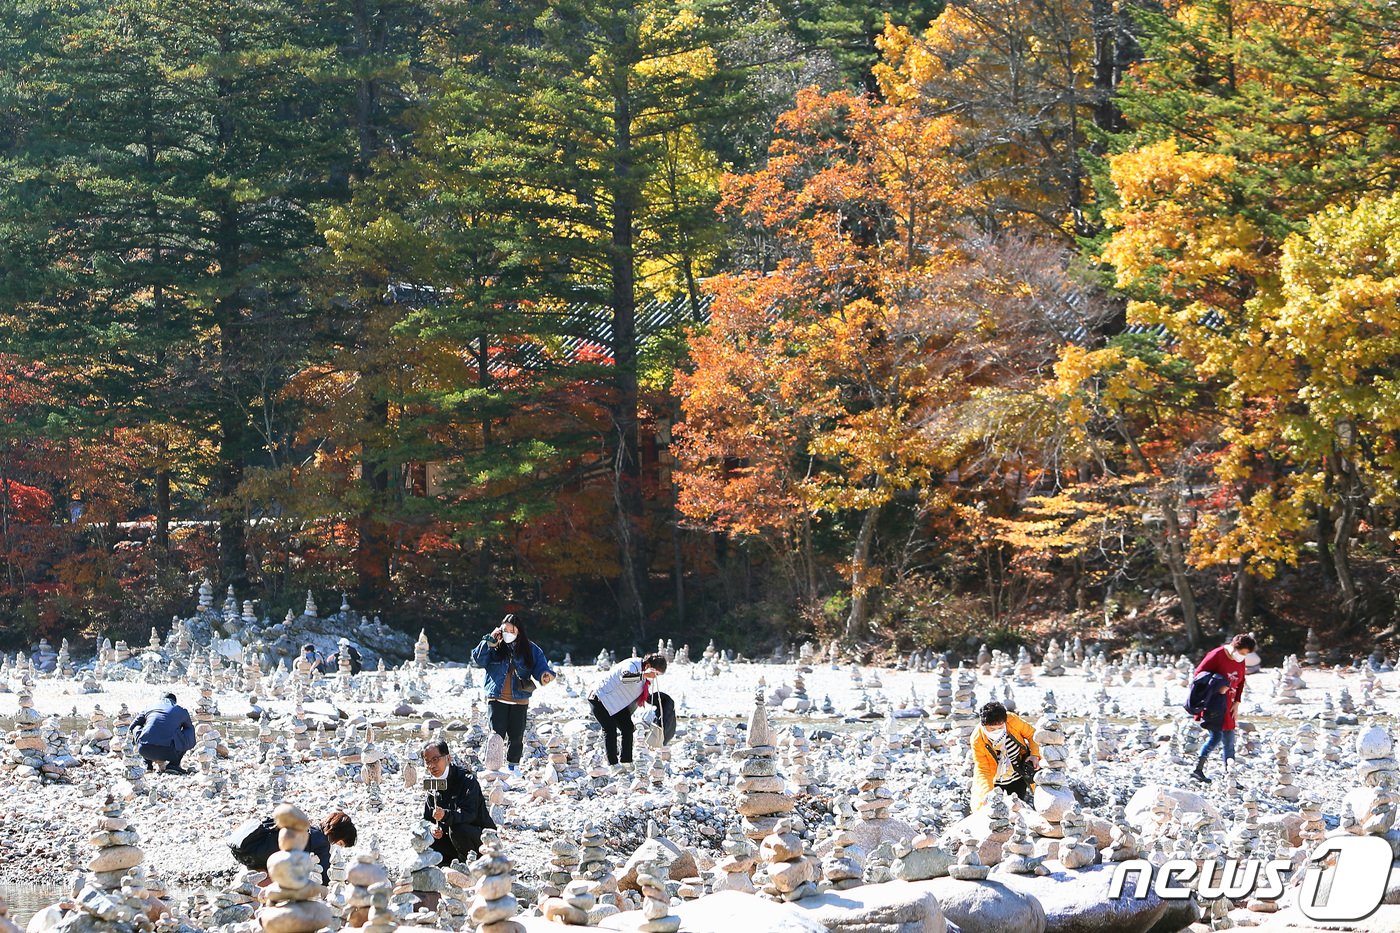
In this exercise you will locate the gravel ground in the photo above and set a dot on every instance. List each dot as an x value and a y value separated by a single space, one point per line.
43 832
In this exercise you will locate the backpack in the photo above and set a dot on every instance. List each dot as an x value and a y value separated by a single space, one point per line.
248 842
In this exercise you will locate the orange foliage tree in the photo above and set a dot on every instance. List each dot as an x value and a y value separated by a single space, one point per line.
850 366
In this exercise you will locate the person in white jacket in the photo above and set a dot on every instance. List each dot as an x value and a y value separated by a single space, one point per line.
627 685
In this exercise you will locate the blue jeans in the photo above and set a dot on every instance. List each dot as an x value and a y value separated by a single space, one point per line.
1225 737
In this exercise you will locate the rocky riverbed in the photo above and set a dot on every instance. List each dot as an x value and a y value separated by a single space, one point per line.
862 756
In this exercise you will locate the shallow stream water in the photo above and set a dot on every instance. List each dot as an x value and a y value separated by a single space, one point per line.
28 899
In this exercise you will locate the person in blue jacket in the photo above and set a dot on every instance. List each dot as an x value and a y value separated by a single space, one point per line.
163 735
513 664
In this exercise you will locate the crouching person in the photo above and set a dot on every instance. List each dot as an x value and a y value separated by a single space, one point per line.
455 806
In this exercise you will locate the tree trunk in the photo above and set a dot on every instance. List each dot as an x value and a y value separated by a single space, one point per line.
162 532
1342 531
1106 58
372 546
1175 551
228 315
484 559
1245 585
860 559
1176 564
1322 532
678 563
5 529
626 457
233 532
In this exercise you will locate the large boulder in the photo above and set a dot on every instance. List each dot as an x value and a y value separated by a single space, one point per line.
893 907
1079 902
1053 802
1291 920
923 864
870 833
725 912
1287 825
1179 915
986 906
680 862
1139 808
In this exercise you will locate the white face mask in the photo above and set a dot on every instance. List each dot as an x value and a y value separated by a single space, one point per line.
994 732
509 637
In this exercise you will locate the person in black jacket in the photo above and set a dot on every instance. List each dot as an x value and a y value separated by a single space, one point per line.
455 806
336 829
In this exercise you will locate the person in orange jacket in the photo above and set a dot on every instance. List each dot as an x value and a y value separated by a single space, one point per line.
1004 754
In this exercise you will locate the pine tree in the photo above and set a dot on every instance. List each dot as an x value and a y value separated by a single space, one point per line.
174 155
581 135
849 29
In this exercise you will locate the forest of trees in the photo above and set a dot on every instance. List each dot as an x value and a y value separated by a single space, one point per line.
909 323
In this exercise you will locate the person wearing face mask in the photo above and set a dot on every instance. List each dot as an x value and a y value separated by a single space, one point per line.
1228 662
1004 754
627 685
513 664
455 806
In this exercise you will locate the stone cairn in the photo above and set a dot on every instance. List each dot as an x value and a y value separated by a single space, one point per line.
964 714
1025 669
943 691
25 757
423 870
493 905
293 902
762 799
1285 789
839 869
875 798
1018 854
237 902
116 844
420 650
571 907
656 902
563 862
969 865
1053 664
363 876
97 740
791 874
1312 650
798 701
734 872
1052 797
998 828
1076 848
1290 682
1122 845
594 868
1376 759
1313 829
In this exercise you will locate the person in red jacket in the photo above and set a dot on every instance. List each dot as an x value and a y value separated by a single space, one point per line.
1228 662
